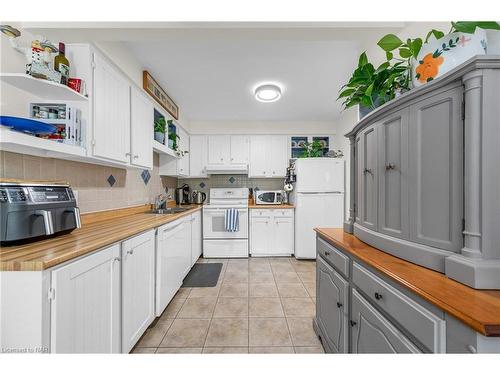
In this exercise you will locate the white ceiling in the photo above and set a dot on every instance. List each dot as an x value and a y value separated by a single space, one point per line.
210 69
214 80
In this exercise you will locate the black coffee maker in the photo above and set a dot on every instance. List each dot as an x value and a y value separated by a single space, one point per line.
182 195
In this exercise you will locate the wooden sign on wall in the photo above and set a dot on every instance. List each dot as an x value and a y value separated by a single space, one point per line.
154 89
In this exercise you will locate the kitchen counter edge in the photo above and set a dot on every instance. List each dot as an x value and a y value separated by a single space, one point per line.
47 253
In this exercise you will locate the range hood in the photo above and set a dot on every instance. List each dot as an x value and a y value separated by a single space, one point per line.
227 169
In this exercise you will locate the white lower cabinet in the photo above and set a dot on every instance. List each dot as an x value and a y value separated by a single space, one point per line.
196 237
138 287
271 232
85 311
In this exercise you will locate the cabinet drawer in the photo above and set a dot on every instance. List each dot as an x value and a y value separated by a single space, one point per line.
333 256
260 213
268 212
428 328
283 213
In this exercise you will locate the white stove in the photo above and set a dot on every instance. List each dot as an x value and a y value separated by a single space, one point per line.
217 242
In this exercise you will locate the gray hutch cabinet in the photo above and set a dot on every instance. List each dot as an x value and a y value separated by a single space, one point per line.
425 176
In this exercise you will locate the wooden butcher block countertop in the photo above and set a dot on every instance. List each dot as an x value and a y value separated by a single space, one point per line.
479 309
98 230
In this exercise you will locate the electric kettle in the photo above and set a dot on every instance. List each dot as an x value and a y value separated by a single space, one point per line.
199 197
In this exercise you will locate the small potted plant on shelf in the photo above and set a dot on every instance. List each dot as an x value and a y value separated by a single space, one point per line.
159 129
172 141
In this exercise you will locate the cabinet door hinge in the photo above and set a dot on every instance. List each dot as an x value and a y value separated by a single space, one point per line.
93 64
51 294
93 142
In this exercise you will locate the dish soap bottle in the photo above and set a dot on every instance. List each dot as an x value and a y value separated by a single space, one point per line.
61 64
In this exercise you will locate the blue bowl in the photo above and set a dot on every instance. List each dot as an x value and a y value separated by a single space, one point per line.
27 125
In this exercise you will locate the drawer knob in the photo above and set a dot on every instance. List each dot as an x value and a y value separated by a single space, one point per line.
352 322
327 253
378 296
367 170
339 305
390 166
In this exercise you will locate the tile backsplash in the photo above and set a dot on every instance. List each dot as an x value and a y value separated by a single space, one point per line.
228 180
98 187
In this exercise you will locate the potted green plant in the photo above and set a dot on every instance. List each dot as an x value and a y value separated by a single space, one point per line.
312 150
159 130
172 140
369 87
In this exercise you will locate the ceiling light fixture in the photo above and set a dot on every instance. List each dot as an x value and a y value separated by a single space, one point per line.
268 93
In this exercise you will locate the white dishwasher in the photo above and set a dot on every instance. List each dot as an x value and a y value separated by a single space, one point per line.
173 260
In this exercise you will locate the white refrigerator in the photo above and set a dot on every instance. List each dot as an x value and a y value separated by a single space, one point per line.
318 196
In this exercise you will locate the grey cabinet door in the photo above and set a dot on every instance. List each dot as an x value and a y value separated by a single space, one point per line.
331 307
367 178
372 333
393 174
436 170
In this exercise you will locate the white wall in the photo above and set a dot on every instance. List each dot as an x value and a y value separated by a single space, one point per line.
262 127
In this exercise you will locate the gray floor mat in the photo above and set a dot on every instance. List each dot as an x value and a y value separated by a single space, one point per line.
203 275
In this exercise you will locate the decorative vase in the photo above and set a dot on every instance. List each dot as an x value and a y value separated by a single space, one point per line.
363 111
440 56
160 137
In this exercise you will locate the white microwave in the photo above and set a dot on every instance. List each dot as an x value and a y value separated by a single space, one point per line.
269 197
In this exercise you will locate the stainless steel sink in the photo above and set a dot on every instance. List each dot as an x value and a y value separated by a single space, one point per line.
169 211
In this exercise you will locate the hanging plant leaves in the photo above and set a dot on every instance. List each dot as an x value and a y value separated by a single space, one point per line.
389 42
469 27
437 34
363 60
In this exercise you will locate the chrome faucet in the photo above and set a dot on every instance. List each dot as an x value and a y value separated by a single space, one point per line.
160 201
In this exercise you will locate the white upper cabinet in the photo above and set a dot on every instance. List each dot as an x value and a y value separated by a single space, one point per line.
228 149
278 156
111 125
219 149
239 149
258 163
268 156
198 155
142 118
183 162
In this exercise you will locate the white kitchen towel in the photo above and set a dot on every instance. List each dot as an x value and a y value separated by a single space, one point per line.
232 220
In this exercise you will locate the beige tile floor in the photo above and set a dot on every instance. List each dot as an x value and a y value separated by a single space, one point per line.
259 305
